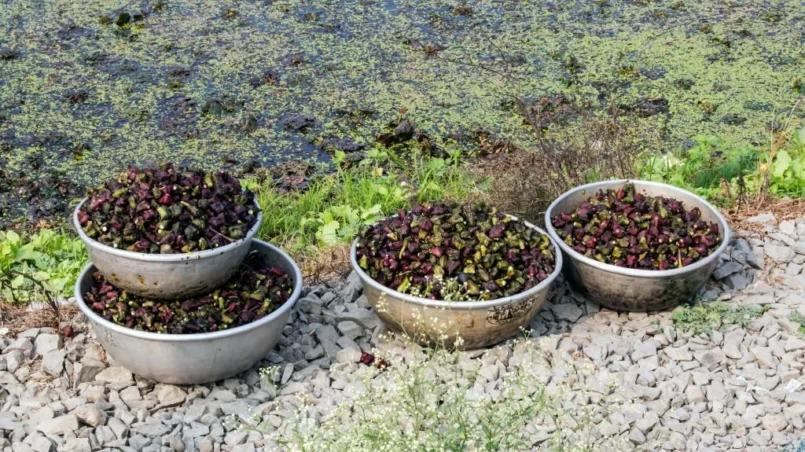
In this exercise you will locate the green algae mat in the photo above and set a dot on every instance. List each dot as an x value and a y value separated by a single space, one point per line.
89 86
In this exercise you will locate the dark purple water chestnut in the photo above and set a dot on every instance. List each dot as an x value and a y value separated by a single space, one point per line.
254 292
625 228
448 251
170 209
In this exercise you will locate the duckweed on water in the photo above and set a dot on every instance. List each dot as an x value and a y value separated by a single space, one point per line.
87 86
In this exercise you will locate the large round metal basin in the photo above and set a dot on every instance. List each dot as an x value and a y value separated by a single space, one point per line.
194 358
477 323
167 276
628 289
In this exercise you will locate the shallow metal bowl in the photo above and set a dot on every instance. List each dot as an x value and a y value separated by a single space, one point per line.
630 289
194 358
478 324
167 276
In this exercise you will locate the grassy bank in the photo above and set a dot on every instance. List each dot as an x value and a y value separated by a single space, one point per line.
317 224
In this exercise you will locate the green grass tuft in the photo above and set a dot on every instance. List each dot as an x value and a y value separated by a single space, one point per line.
706 318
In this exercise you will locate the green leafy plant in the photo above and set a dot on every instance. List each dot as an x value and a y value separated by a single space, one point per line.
703 168
424 400
704 318
798 318
45 261
788 167
335 206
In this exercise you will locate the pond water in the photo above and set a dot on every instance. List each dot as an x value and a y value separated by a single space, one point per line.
88 86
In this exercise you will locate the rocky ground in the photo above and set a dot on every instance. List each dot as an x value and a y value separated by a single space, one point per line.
736 388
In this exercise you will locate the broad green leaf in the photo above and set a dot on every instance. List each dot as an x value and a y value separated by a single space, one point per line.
339 157
381 189
798 168
781 163
17 282
436 164
372 211
12 237
328 233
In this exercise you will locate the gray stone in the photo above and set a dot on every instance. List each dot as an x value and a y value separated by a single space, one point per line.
647 421
645 350
105 435
568 312
42 444
793 343
22 344
194 413
348 355
53 362
46 343
637 437
774 422
196 430
86 371
249 447
732 341
204 445
14 360
766 218
727 269
780 254
170 395
131 395
59 425
235 437
90 415
115 375
710 357
120 429
21 447
763 356
314 353
788 227
8 421
152 429
138 442
678 354
77 445
224 395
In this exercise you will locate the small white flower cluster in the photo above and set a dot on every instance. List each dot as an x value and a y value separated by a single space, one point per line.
436 400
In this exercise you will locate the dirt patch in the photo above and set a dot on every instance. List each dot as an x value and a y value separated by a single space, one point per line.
783 209
18 318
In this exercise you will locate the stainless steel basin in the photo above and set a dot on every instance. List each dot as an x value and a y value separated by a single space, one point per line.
167 276
478 324
630 289
194 358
